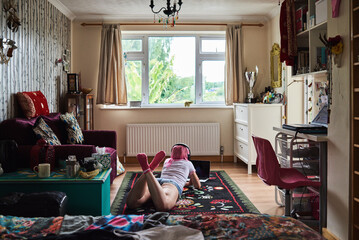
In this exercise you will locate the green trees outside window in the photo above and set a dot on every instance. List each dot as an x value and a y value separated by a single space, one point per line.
171 68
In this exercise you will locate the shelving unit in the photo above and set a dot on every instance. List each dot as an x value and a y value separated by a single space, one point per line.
81 105
313 69
308 40
354 187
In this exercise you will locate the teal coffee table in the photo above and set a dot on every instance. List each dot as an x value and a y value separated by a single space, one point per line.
85 196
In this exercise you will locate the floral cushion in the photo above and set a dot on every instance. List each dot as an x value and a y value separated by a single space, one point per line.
42 130
74 133
33 104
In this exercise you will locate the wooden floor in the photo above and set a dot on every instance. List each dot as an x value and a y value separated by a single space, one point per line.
261 195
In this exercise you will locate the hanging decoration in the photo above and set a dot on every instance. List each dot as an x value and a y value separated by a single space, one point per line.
335 8
7 47
65 60
334 48
169 15
12 20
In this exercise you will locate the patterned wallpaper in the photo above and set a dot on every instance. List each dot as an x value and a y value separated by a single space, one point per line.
43 36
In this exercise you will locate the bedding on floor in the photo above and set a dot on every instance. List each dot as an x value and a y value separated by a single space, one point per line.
156 226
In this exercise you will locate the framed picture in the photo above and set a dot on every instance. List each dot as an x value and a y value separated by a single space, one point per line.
73 83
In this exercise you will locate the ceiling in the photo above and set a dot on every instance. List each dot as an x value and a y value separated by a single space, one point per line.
192 10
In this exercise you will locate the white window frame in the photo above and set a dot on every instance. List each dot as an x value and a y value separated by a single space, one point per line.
200 57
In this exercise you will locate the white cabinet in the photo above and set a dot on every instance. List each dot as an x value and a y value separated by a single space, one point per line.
254 119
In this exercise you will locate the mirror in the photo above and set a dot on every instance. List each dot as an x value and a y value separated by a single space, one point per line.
275 66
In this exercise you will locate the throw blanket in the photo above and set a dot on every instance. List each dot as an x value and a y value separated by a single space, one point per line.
24 228
245 226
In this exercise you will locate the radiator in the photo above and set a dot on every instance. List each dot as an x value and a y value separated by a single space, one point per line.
202 138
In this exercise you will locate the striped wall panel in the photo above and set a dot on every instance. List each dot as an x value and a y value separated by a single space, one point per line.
43 36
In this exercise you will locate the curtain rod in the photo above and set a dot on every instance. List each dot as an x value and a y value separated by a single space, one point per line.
193 24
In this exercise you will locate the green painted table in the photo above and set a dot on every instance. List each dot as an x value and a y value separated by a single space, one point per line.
85 196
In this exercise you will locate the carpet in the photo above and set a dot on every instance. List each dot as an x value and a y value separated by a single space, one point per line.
218 195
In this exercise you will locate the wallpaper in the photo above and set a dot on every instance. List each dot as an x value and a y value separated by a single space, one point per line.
43 36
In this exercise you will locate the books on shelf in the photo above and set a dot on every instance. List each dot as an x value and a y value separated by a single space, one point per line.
301 18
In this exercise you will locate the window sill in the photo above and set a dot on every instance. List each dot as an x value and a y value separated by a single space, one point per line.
193 106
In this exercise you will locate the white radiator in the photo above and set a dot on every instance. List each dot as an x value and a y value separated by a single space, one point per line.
202 138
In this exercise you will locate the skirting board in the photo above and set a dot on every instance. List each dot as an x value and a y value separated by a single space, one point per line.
328 235
210 158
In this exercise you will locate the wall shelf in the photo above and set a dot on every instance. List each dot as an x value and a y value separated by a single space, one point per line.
314 74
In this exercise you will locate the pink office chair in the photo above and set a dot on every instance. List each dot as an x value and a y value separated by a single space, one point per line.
271 173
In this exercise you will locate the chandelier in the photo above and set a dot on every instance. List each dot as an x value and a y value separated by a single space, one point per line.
169 15
7 46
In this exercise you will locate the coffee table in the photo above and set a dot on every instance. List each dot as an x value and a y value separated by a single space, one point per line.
85 196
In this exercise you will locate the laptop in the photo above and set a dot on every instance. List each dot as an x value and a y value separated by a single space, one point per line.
202 169
319 124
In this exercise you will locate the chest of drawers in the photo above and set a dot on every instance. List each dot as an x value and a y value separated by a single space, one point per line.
254 119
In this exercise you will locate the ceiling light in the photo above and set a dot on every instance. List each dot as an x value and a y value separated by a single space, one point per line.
169 15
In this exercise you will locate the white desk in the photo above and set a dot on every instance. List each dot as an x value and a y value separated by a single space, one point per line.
321 139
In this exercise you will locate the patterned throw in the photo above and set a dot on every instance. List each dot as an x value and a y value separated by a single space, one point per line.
130 223
245 226
217 196
24 228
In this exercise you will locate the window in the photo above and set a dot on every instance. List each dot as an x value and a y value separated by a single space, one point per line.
170 70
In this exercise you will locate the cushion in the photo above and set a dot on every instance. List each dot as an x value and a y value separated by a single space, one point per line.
74 133
33 104
42 130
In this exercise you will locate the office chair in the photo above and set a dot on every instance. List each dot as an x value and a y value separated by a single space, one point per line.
270 172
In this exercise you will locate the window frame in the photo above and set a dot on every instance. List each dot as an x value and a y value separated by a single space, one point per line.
199 58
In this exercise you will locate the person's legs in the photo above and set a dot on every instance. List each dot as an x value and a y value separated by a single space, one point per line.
157 160
164 197
139 194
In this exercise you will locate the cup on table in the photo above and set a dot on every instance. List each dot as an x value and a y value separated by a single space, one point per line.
42 170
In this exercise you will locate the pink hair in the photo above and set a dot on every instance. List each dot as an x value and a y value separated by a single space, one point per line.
179 152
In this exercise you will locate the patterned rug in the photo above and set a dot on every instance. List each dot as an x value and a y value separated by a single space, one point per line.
217 195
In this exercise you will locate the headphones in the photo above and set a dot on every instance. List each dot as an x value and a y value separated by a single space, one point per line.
184 145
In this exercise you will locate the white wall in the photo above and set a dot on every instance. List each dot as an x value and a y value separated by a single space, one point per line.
339 130
85 50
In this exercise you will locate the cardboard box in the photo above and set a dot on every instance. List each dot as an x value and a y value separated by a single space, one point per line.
320 11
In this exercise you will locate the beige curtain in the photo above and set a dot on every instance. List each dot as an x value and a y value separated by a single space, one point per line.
111 86
235 85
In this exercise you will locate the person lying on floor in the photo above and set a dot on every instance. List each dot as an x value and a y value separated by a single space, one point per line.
166 190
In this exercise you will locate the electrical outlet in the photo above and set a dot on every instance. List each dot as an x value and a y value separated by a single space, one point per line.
221 150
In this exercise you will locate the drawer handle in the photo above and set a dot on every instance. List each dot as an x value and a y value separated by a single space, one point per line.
241 129
241 110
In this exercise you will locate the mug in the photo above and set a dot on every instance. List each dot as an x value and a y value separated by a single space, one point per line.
42 170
